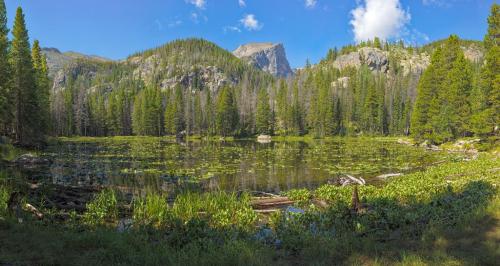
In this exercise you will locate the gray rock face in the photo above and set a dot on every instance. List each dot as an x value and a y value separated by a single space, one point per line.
209 77
378 60
268 57
374 58
56 60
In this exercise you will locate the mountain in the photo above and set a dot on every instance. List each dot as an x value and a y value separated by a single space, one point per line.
266 56
190 63
57 60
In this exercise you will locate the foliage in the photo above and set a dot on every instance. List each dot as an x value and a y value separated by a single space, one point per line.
103 209
153 211
442 108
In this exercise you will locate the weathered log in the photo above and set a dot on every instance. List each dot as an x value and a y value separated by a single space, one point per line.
266 203
30 208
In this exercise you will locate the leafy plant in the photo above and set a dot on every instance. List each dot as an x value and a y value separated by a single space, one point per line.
103 209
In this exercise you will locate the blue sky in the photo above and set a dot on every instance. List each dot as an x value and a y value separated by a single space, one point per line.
307 28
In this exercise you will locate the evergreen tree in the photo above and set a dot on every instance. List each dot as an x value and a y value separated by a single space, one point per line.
209 117
263 116
24 85
227 112
283 107
174 113
442 108
198 114
485 121
5 73
43 87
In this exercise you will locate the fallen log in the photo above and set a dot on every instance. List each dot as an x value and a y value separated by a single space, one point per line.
270 203
30 208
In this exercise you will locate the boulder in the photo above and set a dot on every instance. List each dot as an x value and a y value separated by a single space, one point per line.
264 139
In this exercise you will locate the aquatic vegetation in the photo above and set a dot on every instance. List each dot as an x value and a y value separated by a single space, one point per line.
102 210
4 197
152 210
416 209
219 209
235 165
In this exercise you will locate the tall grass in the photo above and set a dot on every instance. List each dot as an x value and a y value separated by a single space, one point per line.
102 210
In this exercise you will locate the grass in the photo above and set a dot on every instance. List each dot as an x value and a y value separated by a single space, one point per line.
446 215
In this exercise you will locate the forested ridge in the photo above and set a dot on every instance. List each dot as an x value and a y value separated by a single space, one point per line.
194 87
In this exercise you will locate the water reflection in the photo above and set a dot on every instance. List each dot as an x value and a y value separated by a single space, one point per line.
159 164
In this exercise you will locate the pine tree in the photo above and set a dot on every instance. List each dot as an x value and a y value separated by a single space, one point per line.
5 73
209 117
442 109
227 112
137 116
174 113
198 114
487 119
43 87
263 116
24 85
283 107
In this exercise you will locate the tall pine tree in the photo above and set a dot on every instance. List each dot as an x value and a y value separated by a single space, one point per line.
24 86
5 74
263 116
43 87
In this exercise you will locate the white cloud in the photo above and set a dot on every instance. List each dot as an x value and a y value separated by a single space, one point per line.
198 3
175 23
196 17
251 23
311 3
378 18
231 28
242 3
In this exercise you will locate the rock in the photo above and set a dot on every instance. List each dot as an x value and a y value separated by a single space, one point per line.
264 139
56 60
294 210
378 60
473 53
374 58
125 225
268 57
341 83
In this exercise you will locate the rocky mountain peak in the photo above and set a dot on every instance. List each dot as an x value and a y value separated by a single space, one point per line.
268 57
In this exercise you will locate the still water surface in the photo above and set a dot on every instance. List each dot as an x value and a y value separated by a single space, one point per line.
163 164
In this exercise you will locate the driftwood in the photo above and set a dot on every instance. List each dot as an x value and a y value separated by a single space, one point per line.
353 180
270 203
389 175
30 208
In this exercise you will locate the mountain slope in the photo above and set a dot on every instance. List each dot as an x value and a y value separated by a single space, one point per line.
266 56
57 60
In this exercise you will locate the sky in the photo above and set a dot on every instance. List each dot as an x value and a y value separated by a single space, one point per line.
307 28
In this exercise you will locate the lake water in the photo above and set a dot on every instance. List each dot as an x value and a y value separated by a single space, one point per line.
138 164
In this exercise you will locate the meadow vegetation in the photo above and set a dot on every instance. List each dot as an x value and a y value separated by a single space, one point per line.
448 214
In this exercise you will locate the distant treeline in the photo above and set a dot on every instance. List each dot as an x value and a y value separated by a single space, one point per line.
452 98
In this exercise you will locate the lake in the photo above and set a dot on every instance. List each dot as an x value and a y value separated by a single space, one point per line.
152 164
